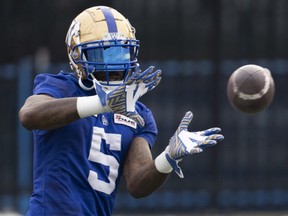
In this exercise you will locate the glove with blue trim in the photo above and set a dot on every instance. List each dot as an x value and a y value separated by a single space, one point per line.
122 100
184 143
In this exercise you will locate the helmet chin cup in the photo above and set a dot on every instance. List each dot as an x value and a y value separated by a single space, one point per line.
112 85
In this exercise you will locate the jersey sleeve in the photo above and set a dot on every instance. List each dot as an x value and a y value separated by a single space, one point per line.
53 85
149 131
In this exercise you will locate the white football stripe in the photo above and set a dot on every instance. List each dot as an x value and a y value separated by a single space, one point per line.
263 91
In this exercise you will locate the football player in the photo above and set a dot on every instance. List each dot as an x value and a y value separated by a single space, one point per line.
89 127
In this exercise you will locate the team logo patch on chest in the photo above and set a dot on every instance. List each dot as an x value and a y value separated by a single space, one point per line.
104 121
124 120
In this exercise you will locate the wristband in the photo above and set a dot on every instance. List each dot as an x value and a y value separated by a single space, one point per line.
165 164
162 164
90 105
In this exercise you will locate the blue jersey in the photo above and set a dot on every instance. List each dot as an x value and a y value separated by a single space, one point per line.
77 167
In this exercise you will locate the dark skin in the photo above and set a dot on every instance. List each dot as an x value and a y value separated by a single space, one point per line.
113 76
45 113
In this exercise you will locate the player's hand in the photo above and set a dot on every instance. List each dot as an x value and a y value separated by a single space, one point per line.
122 100
184 143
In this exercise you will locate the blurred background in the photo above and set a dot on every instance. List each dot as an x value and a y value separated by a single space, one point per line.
197 44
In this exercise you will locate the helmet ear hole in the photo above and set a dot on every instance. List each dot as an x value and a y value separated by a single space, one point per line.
75 54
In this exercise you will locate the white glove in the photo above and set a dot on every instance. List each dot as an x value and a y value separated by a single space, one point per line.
184 143
122 100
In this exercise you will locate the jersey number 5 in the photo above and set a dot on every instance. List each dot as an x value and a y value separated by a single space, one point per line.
95 155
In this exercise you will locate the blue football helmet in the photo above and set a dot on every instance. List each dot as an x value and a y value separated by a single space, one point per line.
101 42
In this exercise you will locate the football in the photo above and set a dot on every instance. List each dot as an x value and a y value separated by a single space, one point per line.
250 89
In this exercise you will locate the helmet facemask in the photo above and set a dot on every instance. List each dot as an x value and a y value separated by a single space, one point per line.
107 57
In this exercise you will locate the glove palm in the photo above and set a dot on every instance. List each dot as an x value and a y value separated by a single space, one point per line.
184 143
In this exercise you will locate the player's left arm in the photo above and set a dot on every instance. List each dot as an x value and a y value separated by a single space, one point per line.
142 177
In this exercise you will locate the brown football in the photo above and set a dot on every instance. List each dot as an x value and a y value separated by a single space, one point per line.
250 88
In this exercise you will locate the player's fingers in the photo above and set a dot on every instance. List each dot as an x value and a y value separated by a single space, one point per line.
186 120
142 76
135 76
153 83
216 137
152 76
137 118
196 150
207 143
210 131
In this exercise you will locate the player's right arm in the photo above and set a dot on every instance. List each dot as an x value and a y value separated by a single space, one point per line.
43 112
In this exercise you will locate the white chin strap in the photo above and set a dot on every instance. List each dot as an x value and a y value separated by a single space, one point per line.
83 86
